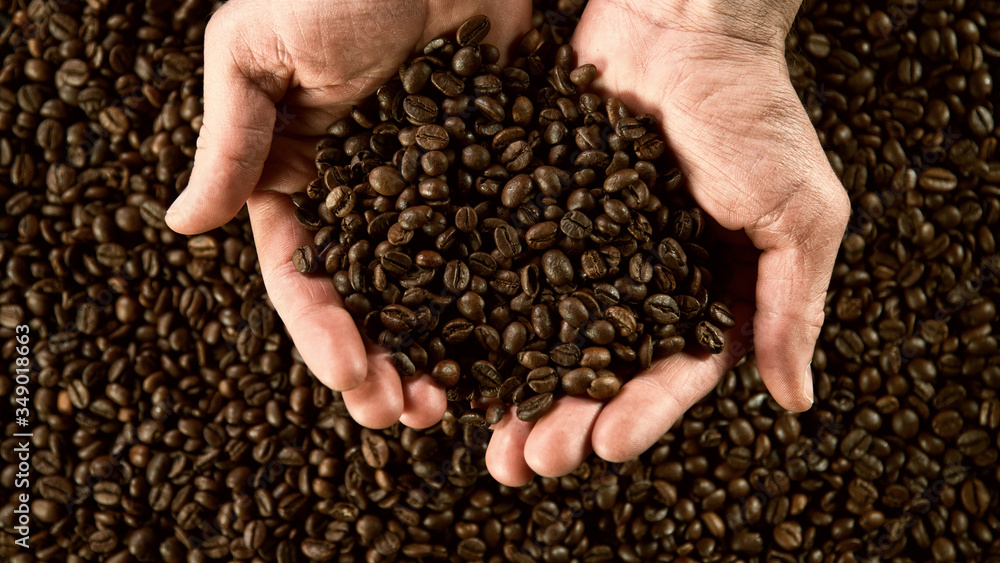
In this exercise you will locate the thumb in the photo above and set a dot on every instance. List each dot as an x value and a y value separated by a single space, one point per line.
799 241
235 138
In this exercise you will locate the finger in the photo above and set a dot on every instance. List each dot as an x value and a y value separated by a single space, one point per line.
324 333
424 402
662 394
505 454
799 250
378 402
560 441
290 165
243 79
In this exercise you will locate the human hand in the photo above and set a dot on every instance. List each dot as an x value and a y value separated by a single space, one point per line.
313 59
714 75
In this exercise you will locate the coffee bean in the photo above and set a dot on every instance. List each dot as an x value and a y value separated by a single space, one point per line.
432 137
415 76
466 219
975 496
622 319
577 381
517 156
318 549
937 180
543 380
576 225
573 311
467 60
515 336
662 309
304 260
103 541
486 374
534 408
398 318
557 268
973 442
447 83
565 354
508 242
386 181
709 337
604 387
456 277
495 413
720 315
374 449
583 75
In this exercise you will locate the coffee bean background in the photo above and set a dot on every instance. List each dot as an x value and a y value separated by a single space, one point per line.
174 421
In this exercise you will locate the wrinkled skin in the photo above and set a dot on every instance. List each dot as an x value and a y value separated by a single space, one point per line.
713 73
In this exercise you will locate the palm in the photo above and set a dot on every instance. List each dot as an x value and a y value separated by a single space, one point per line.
744 143
277 75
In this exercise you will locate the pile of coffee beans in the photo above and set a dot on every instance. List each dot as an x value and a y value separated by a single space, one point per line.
172 419
508 232
902 98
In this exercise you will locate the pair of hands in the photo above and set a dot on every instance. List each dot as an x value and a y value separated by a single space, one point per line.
277 74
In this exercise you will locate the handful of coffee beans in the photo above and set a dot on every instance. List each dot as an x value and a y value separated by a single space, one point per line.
508 231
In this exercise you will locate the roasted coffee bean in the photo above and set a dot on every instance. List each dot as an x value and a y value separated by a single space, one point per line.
973 442
576 225
709 337
508 243
318 549
386 181
419 110
517 156
495 413
565 355
486 374
543 380
432 137
446 373
456 277
535 407
577 381
103 541
467 60
975 497
542 235
305 260
557 268
662 309
573 311
398 318
604 387
466 219
374 449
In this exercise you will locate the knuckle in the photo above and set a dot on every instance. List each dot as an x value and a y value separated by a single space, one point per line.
841 206
223 24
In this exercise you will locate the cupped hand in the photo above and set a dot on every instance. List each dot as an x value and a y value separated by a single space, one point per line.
714 75
277 74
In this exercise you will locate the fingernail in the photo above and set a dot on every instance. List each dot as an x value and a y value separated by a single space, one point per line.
807 384
178 203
